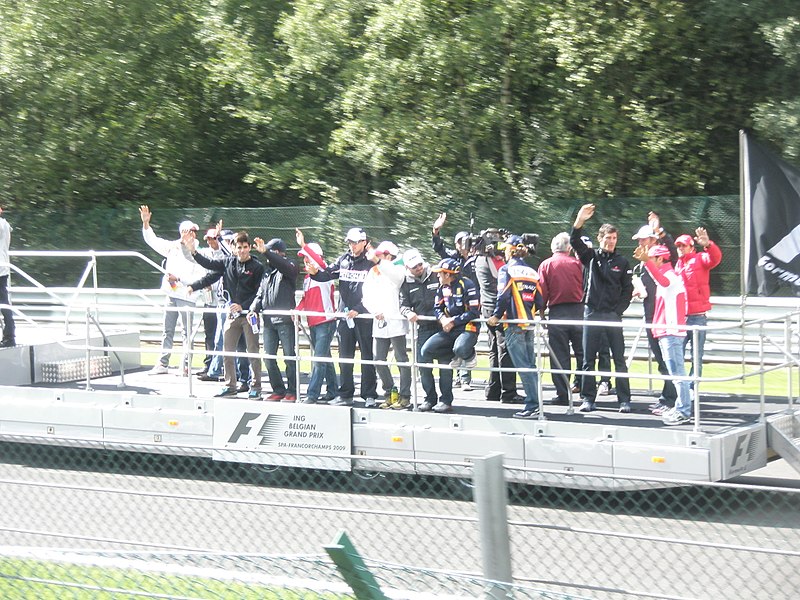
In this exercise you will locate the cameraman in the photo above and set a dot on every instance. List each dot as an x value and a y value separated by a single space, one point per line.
502 386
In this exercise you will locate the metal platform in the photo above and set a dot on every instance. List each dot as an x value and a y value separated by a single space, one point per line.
177 414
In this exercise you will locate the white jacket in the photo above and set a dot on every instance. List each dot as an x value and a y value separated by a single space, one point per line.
381 295
179 263
5 242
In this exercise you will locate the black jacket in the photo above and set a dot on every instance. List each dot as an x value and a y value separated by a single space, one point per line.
418 296
351 271
277 287
609 285
240 281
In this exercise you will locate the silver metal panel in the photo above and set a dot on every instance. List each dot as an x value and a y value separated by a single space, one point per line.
670 462
383 441
56 419
743 450
168 428
455 445
16 366
566 455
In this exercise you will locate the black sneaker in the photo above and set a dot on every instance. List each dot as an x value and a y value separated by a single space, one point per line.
243 387
557 402
8 343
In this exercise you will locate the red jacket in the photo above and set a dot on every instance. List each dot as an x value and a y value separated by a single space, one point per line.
694 269
317 295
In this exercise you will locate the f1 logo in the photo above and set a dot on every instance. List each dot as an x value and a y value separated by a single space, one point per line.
243 426
745 444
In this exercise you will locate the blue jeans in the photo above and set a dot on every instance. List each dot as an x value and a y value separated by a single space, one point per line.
701 343
520 345
170 322
426 374
283 333
442 346
321 338
672 352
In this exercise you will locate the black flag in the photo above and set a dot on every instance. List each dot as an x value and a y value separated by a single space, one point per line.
771 196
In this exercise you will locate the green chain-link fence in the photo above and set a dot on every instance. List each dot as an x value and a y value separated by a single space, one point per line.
402 222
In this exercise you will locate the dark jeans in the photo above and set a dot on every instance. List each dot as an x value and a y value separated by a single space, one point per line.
425 373
8 314
360 334
280 333
560 338
593 338
321 338
502 386
443 346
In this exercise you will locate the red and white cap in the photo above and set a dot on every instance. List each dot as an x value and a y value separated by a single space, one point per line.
316 248
685 240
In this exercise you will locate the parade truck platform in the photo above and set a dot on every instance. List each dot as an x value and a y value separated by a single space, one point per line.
84 385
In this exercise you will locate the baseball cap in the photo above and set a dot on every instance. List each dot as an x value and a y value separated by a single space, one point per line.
658 250
356 234
412 258
686 240
211 233
227 234
514 240
645 231
276 244
460 236
387 247
314 247
187 226
447 265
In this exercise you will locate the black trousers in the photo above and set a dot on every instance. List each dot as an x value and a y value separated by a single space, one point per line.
210 330
593 337
502 386
561 337
8 314
360 334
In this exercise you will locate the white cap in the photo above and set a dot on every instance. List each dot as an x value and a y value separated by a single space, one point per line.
645 231
412 258
187 226
316 248
387 247
356 234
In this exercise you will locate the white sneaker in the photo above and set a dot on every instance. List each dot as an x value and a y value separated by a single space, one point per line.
466 386
370 403
603 388
456 362
441 407
159 369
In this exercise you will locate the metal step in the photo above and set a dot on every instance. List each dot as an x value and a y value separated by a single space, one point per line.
783 433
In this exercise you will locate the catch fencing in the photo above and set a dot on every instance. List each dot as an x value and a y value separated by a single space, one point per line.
82 522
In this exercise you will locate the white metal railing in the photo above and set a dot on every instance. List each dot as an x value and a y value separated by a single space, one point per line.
89 303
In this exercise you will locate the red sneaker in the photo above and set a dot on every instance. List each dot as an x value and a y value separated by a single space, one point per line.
274 397
289 398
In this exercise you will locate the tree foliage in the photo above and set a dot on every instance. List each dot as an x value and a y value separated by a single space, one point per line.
229 102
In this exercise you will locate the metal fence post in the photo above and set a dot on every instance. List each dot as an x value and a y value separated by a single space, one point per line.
491 498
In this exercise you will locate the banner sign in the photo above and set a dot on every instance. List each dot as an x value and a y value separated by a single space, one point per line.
281 427
771 196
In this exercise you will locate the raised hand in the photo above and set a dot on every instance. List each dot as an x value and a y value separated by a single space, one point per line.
701 236
145 214
439 222
299 237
